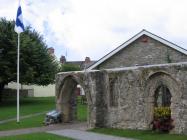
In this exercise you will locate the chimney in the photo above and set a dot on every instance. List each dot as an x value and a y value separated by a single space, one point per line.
63 59
87 60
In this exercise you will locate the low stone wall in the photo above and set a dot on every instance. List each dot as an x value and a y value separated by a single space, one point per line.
124 98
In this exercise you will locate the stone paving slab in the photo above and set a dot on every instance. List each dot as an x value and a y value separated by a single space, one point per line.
84 135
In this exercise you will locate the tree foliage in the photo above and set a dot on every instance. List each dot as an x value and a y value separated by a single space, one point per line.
69 67
36 64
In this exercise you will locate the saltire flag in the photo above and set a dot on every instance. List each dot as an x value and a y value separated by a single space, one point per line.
19 27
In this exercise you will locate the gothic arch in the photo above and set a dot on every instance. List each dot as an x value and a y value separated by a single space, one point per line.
158 78
66 96
153 82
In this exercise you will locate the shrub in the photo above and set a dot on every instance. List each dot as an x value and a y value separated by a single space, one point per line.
162 121
69 67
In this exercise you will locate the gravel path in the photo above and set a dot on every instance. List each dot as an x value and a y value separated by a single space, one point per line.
84 135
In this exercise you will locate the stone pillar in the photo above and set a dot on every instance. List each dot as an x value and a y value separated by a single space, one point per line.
101 101
65 112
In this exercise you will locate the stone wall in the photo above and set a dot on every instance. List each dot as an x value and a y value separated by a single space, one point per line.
143 53
124 98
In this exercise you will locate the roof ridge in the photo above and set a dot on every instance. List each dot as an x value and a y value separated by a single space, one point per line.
133 38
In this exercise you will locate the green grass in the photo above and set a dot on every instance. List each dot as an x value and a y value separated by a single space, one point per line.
82 112
30 106
27 106
35 136
36 121
139 134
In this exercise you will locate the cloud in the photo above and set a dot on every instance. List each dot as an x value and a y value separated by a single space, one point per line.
95 27
5 9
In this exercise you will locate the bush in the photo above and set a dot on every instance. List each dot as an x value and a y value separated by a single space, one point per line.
69 67
162 121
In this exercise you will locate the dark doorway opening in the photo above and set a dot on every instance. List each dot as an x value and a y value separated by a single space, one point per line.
162 96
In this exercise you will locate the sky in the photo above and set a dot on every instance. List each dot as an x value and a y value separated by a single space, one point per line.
93 28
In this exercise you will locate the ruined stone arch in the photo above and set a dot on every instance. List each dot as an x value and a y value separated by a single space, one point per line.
153 82
95 88
158 78
66 96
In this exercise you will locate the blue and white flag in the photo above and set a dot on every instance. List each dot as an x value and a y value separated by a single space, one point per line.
19 27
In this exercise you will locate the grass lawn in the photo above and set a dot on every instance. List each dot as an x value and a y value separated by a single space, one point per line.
35 136
36 121
27 106
139 134
82 112
30 106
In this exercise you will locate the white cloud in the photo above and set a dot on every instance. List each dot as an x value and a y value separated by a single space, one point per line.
95 27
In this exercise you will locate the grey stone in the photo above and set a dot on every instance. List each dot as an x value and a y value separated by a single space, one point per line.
121 91
132 95
139 53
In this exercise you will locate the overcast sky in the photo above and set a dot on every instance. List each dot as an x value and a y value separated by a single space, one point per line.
95 27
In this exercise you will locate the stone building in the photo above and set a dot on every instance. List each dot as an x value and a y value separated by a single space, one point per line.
144 48
122 87
82 64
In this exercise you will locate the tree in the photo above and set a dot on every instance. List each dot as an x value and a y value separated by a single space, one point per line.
69 67
37 66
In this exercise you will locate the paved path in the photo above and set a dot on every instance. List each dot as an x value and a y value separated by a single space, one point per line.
79 126
75 131
83 135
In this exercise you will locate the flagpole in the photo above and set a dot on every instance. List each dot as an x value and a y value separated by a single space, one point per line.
18 55
19 28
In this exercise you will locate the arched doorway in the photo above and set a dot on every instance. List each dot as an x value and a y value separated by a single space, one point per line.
162 90
69 100
162 120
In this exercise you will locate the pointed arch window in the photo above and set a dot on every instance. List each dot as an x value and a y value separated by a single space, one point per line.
162 96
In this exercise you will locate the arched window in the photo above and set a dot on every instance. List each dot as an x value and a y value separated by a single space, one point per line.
162 96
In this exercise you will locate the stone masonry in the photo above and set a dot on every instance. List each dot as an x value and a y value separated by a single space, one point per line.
140 53
124 97
121 89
